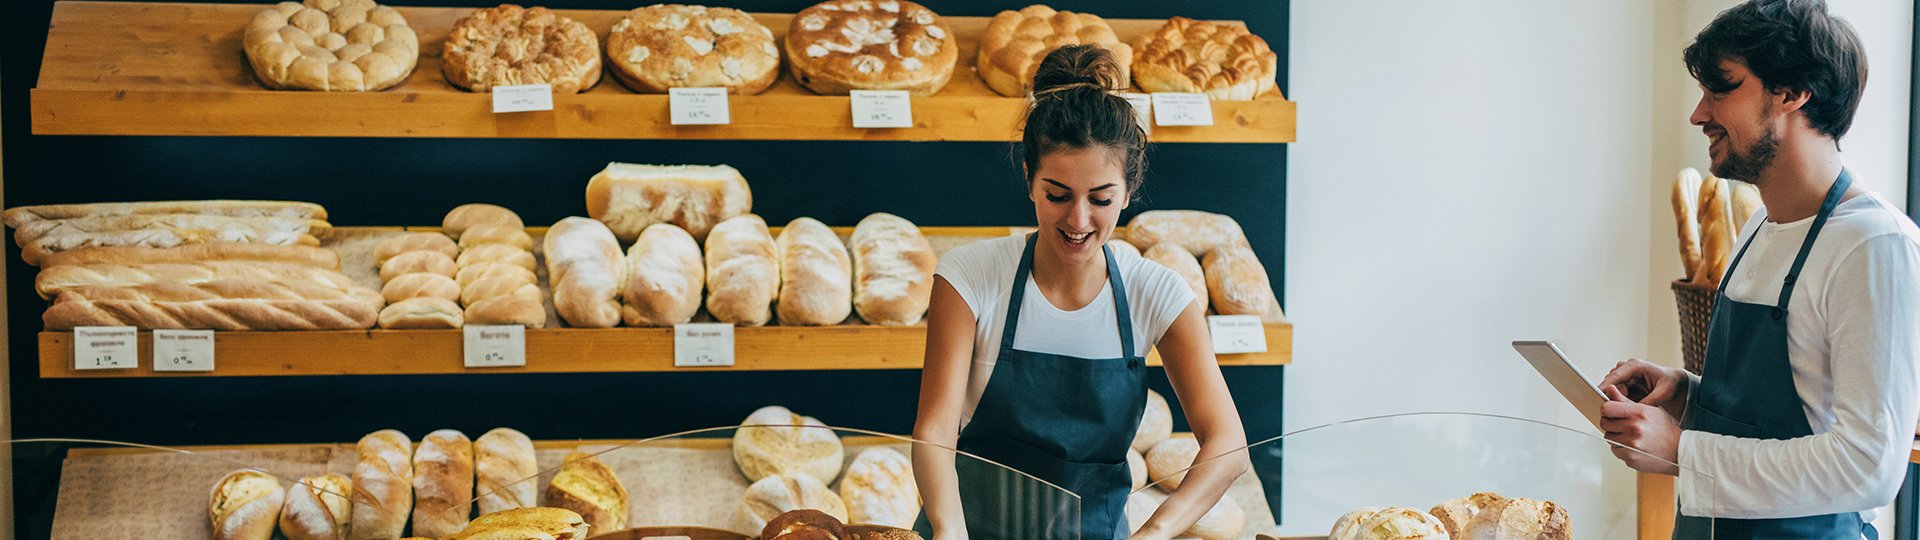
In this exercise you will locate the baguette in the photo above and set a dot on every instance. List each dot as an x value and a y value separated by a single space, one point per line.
166 230
425 313
222 289
1237 282
1197 232
382 486
415 241
743 271
498 254
245 505
467 216
508 310
1184 264
1717 232
505 470
1746 203
587 486
470 274
584 265
431 262
54 280
1686 204
221 314
816 275
420 285
305 255
442 484
318 508
16 217
892 270
494 233
629 198
664 276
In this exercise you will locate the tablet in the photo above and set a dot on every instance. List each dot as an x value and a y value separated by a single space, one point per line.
1552 364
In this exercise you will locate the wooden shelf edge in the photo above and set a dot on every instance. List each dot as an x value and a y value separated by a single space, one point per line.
556 350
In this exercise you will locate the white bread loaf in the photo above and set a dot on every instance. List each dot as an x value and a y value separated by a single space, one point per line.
630 197
743 271
415 241
23 215
664 278
584 265
318 508
494 233
1156 423
306 255
497 254
1184 264
769 497
425 313
879 489
1168 461
442 484
420 285
1222 522
774 440
245 505
816 275
52 281
1238 282
467 216
431 262
1197 232
382 486
892 270
502 459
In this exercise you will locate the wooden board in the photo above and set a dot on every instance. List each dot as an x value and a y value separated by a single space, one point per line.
120 68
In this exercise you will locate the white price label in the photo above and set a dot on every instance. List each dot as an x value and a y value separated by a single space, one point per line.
882 109
106 347
1182 109
522 98
702 345
698 106
1142 109
495 346
183 350
1237 334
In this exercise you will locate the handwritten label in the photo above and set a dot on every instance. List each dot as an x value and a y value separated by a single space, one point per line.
699 106
702 345
1182 109
1237 334
106 347
1142 109
495 346
882 109
522 98
183 350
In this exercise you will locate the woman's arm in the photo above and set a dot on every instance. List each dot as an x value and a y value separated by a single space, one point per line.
943 387
1187 353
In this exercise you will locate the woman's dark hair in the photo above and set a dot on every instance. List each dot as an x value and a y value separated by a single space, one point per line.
1792 45
1075 107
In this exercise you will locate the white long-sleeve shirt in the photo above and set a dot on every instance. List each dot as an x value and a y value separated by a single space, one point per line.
1853 340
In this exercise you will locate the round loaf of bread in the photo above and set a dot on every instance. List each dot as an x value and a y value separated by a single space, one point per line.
1457 513
331 45
1156 423
498 253
318 508
1395 524
1222 522
663 46
1016 41
431 262
838 46
879 489
421 313
468 216
420 285
1223 61
245 505
495 233
1520 518
415 241
1167 463
512 45
774 440
768 498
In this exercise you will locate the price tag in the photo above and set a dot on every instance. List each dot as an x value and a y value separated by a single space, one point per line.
882 109
702 345
1237 334
522 98
1142 109
106 347
1182 109
183 350
699 106
496 346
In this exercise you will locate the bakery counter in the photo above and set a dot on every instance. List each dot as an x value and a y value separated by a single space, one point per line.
122 68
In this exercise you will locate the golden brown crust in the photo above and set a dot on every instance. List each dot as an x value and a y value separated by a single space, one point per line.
1223 61
431 262
245 505
1016 41
804 524
414 241
1238 282
425 313
663 46
587 486
331 45
468 216
523 523
510 45
307 255
510 309
420 285
842 45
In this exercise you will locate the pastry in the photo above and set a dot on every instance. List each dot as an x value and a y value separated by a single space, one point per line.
879 489
423 313
1717 231
774 440
587 486
468 216
772 496
1167 462
510 45
663 46
1197 232
415 241
583 264
1016 41
1457 513
743 271
1237 282
816 275
842 45
525 523
1184 264
1221 60
1156 423
629 198
318 508
503 466
1522 519
892 270
331 45
442 484
420 285
382 485
493 287
245 505
880 532
664 278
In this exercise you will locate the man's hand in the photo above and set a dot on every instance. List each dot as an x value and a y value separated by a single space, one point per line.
1645 383
1646 428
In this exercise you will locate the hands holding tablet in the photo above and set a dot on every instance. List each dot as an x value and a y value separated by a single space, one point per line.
1640 413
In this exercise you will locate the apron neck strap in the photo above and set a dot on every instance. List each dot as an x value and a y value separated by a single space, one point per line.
1122 315
1834 194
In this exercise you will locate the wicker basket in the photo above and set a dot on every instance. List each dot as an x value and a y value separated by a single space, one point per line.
1696 313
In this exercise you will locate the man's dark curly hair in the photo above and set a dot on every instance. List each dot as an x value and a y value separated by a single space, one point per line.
1791 45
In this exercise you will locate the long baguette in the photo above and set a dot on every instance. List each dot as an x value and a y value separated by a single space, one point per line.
1686 202
35 253
306 255
15 217
1717 231
52 281
220 289
194 226
221 314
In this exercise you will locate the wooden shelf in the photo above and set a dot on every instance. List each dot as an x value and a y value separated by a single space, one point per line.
121 68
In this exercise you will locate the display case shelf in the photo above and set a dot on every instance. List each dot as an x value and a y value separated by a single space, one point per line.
123 68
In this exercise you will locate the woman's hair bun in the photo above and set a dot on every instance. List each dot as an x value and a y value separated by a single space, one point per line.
1077 66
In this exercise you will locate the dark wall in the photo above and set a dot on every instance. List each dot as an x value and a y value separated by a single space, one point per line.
415 181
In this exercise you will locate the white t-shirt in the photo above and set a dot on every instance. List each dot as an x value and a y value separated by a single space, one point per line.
982 272
1853 341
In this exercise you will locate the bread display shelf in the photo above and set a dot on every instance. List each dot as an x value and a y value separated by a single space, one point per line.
567 350
122 68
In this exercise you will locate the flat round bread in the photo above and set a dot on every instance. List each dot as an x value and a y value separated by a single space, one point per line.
1223 61
665 46
843 45
509 45
331 45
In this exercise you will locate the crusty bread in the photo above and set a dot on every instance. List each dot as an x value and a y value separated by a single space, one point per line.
629 197
38 239
1197 232
743 271
1686 205
504 468
467 216
892 270
1457 513
1016 41
216 305
431 262
772 496
774 440
420 285
1186 265
1717 231
382 485
245 505
508 310
498 286
19 216
584 265
1221 60
318 508
510 45
663 46
1223 521
442 484
1156 423
424 313
879 489
1520 518
816 275
526 523
415 241
1388 523
305 255
1168 461
1237 282
587 486
664 276
497 254
338 46
494 233
51 281
838 46
469 275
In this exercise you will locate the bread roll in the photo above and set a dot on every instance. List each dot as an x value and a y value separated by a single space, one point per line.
1156 423
816 275
1457 513
1520 518
1197 232
420 285
664 276
382 486
508 310
494 233
318 508
1686 205
743 271
306 255
805 524
1137 466
20 216
426 313
1168 461
442 484
498 254
467 216
879 489
587 486
50 282
525 523
415 241
629 197
1222 522
584 265
1184 264
245 505
774 440
495 287
502 459
892 270
769 497
1237 282
431 262
470 274
1394 524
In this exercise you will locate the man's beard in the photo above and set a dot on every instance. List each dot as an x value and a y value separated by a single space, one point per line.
1749 164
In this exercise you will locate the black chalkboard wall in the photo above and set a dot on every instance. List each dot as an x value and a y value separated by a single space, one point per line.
415 181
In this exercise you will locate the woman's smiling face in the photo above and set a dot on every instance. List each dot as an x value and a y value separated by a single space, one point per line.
1077 195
